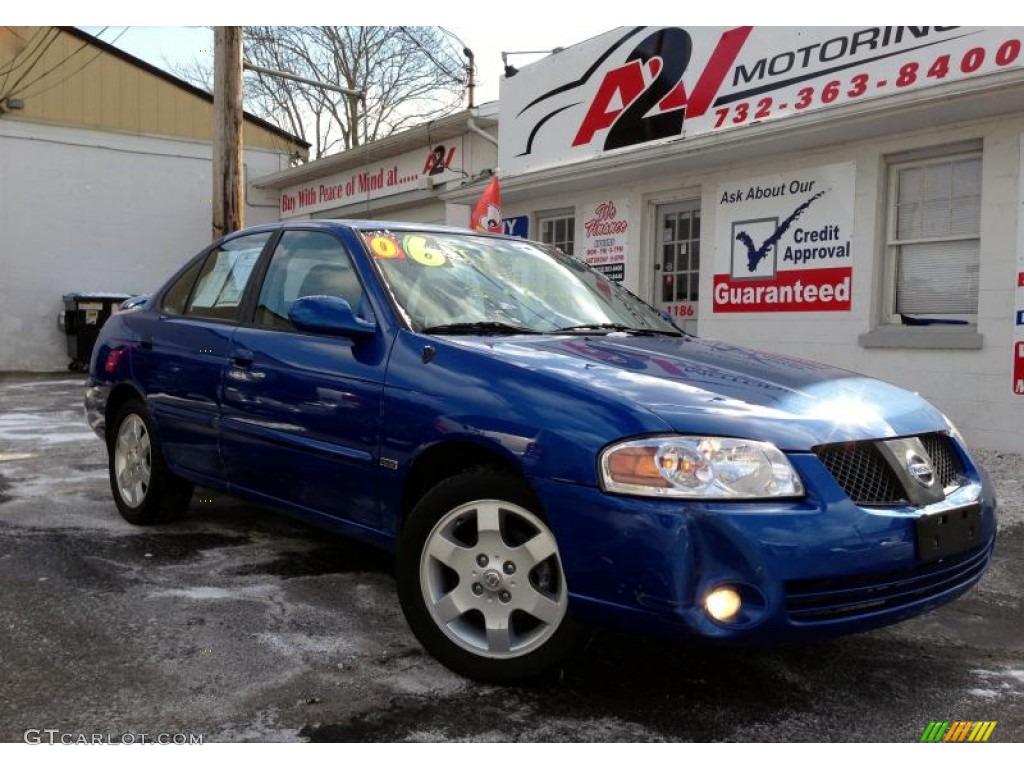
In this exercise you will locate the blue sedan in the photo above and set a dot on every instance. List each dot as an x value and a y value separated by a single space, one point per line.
541 449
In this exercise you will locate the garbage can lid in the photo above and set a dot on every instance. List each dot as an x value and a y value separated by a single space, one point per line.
97 296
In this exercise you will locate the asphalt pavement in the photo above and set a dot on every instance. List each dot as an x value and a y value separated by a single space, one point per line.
240 624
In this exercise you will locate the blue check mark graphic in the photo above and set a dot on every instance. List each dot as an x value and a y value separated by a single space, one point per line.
756 255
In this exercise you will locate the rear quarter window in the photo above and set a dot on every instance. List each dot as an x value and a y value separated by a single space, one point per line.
176 297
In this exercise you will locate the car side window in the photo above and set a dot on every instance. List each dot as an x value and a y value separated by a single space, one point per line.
222 280
177 295
307 264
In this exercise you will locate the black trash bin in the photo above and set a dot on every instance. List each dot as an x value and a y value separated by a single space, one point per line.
83 316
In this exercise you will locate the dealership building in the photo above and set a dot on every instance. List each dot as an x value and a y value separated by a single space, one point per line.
403 177
847 195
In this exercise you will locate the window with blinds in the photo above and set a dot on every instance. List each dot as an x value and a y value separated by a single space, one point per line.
558 229
935 226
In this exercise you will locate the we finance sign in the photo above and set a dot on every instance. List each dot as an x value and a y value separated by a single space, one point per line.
633 86
783 243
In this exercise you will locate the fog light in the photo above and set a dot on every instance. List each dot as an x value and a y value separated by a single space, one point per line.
723 603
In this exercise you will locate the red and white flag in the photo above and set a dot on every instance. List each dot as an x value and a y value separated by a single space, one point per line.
487 211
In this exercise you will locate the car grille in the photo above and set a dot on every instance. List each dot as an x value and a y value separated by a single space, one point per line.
863 473
869 480
823 600
945 459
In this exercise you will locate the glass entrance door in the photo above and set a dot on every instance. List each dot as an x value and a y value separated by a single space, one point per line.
677 262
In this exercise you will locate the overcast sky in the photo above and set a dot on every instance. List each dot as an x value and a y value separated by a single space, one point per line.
163 45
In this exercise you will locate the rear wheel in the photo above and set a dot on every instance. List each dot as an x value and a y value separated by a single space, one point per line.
480 579
144 489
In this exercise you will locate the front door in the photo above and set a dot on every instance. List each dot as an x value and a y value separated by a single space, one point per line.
301 411
677 262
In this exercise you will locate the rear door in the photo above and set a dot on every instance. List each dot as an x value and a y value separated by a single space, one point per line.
301 411
184 350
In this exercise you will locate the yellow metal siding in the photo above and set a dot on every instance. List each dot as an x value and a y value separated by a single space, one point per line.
130 94
92 88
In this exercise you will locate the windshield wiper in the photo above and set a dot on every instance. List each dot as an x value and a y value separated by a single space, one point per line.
598 327
479 328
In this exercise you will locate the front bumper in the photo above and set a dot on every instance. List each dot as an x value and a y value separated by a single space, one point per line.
809 568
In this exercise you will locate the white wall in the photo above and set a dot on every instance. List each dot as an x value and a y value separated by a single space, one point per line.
972 386
84 210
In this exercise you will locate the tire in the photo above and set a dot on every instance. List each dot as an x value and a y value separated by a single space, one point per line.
480 579
145 491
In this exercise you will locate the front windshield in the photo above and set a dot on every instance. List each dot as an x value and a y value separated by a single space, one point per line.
468 283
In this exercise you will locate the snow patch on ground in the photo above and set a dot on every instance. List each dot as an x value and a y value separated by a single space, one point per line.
50 429
258 592
76 384
998 683
296 643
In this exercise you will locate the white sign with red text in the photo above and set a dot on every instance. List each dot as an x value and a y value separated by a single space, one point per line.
1018 305
635 85
783 243
407 172
605 224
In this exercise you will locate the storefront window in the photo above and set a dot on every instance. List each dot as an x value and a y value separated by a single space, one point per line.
934 236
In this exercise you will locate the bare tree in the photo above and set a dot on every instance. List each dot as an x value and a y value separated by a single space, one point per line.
409 75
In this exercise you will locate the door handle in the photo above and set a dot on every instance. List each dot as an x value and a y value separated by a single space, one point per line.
146 342
242 358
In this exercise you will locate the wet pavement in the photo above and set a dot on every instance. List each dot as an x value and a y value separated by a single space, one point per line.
242 625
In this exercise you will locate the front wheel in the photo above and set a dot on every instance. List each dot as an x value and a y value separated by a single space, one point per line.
480 579
144 489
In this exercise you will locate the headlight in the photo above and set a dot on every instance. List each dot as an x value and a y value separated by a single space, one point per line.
699 468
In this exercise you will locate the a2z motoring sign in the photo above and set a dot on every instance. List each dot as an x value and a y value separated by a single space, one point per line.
635 85
783 243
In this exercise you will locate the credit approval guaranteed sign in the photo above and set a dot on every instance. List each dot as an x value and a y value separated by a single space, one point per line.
783 242
636 85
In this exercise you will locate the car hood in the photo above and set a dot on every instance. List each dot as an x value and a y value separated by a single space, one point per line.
706 387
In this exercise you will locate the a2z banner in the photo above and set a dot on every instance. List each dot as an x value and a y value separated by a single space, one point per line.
636 85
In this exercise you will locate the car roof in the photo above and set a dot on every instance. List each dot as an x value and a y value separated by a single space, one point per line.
363 224
400 226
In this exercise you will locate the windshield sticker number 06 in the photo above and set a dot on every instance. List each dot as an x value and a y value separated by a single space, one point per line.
384 247
425 251
416 247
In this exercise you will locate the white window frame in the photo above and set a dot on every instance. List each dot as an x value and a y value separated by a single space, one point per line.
920 159
552 216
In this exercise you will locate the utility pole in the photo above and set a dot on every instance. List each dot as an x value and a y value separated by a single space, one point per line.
228 213
470 71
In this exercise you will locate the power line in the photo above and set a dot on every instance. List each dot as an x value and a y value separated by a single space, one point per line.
30 67
430 56
28 52
456 37
31 45
71 74
61 62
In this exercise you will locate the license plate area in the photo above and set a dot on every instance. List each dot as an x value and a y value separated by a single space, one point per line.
949 532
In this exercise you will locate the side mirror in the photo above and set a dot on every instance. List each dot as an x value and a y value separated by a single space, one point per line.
329 314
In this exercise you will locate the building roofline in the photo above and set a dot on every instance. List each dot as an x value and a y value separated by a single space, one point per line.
174 80
441 129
